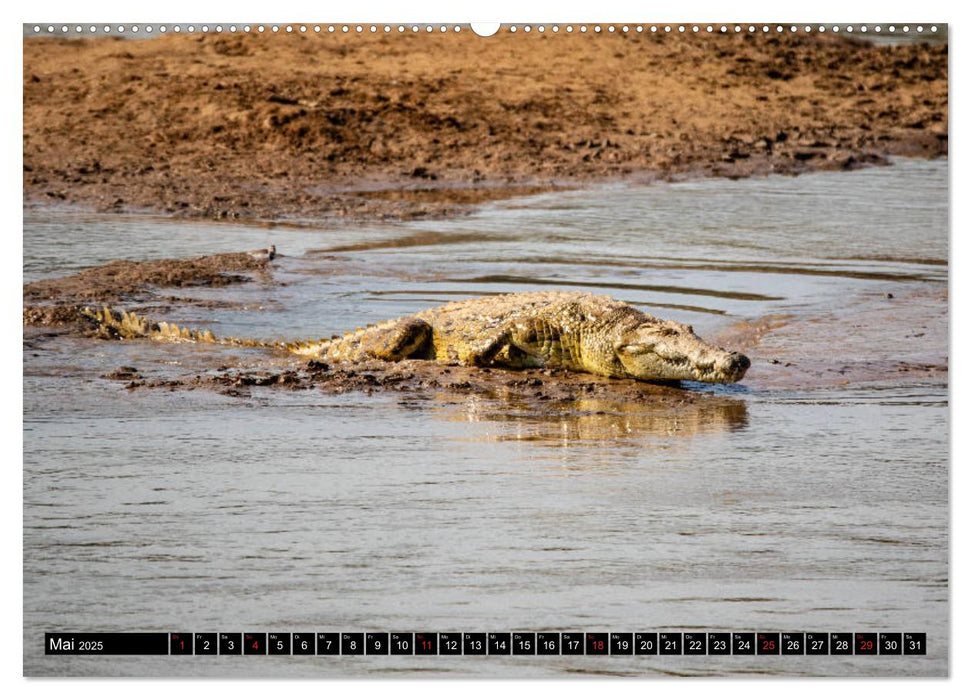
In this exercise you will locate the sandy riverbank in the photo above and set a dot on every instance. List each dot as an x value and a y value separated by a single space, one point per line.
371 126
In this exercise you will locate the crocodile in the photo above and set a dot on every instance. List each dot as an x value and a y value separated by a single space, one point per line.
570 330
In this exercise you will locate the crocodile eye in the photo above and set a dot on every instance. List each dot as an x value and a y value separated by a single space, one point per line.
635 349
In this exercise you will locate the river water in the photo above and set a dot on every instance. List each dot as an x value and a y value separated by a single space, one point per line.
812 497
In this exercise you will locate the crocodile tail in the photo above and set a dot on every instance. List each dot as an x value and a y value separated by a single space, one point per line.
129 325
352 345
324 347
309 348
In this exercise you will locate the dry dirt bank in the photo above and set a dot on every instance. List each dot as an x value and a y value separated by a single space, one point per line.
372 126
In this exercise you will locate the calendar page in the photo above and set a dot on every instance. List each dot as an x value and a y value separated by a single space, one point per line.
505 350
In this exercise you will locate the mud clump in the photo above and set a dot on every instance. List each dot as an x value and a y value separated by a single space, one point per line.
58 315
108 283
123 373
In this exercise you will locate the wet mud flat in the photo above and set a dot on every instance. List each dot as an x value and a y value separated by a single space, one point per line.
125 278
884 338
367 127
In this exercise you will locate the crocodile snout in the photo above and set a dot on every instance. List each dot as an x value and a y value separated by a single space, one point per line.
734 365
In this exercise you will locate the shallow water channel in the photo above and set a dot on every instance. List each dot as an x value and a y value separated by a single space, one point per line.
811 497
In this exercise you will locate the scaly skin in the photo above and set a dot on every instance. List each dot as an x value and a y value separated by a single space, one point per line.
574 331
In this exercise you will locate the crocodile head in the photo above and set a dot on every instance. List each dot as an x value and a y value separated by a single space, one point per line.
669 351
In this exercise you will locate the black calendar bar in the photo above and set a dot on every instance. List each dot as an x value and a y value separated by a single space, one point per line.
106 643
532 644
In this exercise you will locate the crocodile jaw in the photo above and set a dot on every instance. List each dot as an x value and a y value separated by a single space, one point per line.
719 367
669 351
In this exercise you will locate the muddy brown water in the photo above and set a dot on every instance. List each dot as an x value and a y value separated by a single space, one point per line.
811 497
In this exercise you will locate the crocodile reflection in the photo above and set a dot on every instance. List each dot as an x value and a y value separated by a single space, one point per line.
599 420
